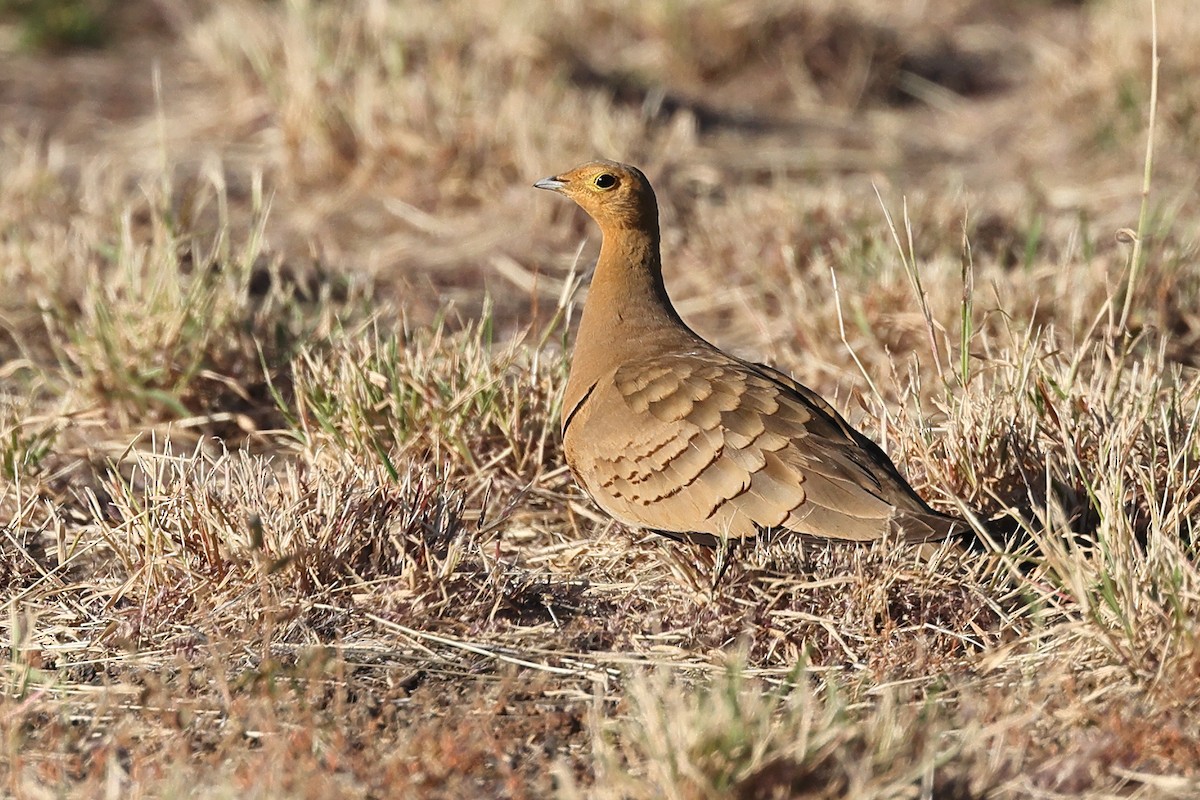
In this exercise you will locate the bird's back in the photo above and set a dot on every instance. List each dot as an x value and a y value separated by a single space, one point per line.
695 442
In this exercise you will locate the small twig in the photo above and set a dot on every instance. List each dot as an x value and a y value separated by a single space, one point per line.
1135 257
909 261
837 304
471 648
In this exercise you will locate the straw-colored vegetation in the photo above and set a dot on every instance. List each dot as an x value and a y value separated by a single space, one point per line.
283 510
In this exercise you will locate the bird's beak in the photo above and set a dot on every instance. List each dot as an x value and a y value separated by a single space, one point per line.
553 184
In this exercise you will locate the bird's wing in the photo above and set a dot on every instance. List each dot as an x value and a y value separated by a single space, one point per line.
700 443
879 460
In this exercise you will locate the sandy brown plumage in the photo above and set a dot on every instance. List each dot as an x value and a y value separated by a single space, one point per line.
667 432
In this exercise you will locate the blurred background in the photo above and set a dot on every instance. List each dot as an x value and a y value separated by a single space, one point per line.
398 141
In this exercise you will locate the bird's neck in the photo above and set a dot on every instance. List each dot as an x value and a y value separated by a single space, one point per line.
628 314
627 300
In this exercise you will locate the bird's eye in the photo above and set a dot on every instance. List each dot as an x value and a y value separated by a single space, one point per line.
604 181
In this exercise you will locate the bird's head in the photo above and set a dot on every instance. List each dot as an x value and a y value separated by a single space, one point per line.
615 195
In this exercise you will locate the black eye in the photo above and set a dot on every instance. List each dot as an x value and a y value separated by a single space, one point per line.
605 181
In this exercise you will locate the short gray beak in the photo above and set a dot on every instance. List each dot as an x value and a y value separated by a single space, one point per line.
553 184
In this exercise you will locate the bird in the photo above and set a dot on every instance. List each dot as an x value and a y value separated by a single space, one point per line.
668 433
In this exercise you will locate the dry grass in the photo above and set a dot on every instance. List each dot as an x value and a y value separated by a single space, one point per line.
283 333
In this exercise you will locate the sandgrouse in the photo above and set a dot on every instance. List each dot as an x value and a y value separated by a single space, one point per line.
666 432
